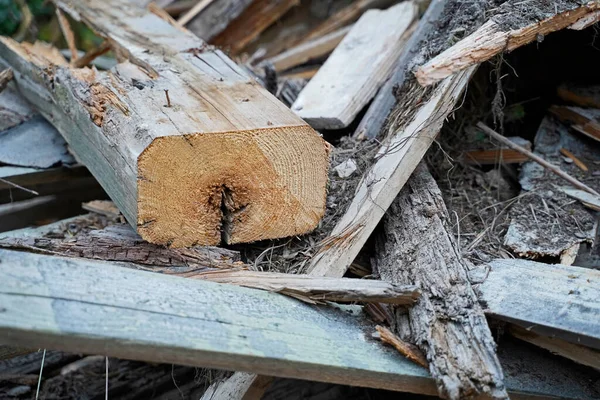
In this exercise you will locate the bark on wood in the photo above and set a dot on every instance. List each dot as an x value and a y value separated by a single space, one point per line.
579 354
491 39
216 17
255 19
224 144
551 300
121 243
309 50
419 123
446 323
342 87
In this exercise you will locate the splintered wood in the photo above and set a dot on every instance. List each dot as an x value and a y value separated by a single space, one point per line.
492 38
191 149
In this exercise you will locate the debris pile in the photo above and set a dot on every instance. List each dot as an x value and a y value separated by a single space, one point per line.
217 198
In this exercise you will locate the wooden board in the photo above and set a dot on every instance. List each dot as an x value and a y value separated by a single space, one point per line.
259 15
94 307
216 16
551 300
309 50
221 159
356 69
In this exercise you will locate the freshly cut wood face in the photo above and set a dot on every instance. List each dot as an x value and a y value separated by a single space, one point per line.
190 148
239 186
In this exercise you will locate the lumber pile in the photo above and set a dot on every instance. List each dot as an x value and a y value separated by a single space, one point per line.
289 199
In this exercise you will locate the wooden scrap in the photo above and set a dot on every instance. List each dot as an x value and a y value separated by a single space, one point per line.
576 160
341 88
14 109
374 119
104 207
342 18
579 354
493 38
537 159
544 222
547 299
309 50
67 32
586 21
398 157
91 55
408 350
217 15
588 200
156 172
49 303
259 15
316 289
5 77
446 323
302 73
585 120
195 10
495 156
580 95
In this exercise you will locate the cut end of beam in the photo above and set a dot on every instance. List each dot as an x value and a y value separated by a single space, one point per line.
232 187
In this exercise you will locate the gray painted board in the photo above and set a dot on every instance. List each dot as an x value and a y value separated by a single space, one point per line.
552 300
99 308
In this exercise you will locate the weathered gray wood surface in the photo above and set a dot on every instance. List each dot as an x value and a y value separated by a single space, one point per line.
446 323
356 69
122 127
551 300
374 119
216 16
97 308
133 314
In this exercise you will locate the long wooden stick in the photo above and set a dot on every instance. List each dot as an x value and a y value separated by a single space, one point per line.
197 9
536 158
67 32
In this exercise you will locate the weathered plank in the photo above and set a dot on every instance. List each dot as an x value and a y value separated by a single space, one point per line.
374 119
579 354
419 123
170 164
493 38
356 69
216 16
97 308
551 300
259 15
446 323
308 50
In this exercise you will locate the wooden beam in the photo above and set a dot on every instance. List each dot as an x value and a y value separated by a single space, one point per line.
398 157
223 144
579 354
308 50
446 323
342 87
491 39
548 299
94 307
580 95
255 19
216 17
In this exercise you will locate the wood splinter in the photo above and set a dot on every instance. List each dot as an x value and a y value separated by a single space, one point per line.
229 163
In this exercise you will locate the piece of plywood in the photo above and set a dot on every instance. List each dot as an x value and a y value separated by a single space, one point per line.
551 300
356 69
190 148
